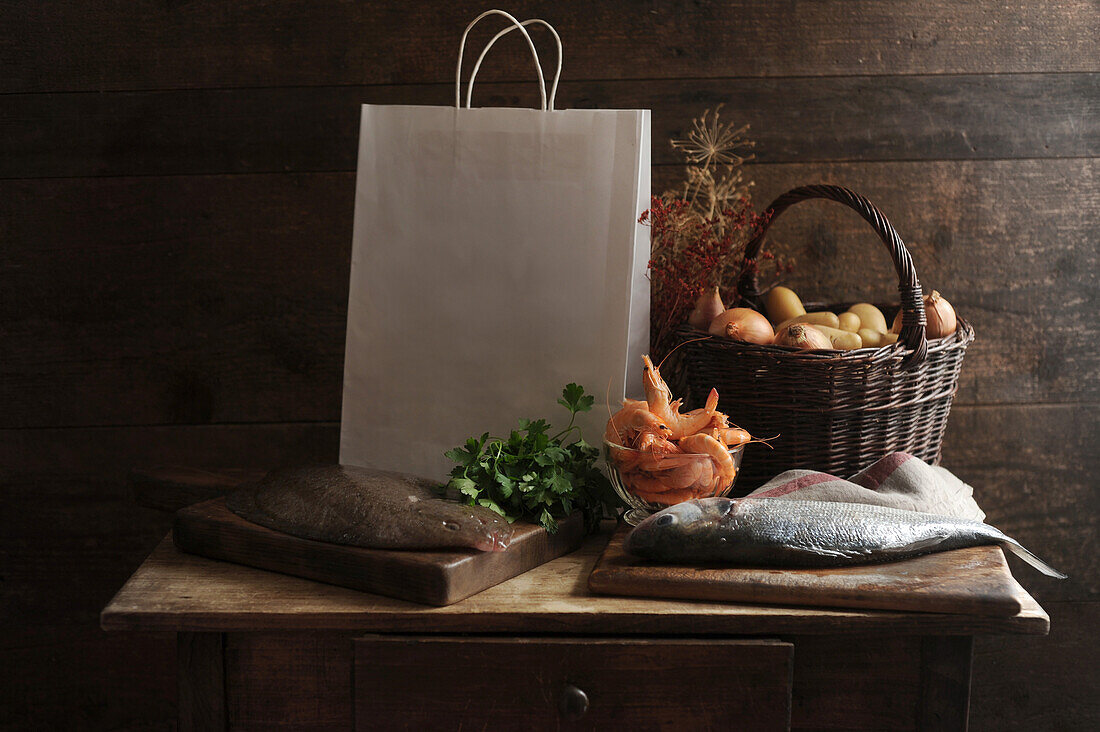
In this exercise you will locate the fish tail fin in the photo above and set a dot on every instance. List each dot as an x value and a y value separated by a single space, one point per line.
1017 548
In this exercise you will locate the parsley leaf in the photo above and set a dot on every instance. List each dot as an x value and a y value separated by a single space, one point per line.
534 476
573 399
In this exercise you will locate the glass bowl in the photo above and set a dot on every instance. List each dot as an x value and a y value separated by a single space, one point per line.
649 482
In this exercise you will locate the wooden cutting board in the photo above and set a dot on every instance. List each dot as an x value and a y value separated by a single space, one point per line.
432 577
971 581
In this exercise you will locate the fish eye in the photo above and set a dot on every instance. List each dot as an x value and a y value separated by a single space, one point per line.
450 526
667 520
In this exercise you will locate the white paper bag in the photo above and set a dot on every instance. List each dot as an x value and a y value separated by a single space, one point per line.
496 257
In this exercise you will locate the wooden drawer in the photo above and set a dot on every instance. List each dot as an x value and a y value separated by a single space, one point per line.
420 682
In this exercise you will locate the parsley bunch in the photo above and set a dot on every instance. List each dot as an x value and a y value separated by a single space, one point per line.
532 475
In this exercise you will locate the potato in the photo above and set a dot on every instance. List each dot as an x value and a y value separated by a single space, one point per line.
820 318
842 339
874 339
869 316
783 304
850 322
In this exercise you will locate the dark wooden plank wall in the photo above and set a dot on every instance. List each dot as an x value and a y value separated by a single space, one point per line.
176 185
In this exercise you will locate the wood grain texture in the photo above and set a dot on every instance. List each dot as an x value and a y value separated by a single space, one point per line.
975 580
442 577
1033 470
304 680
1024 684
68 674
176 591
1030 488
944 699
189 290
1006 242
191 300
173 488
194 299
1029 480
70 534
1052 472
309 129
149 45
408 683
838 686
201 680
293 681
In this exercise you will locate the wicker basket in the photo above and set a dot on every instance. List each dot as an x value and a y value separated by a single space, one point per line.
834 411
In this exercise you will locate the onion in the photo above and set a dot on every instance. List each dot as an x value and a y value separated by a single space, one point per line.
743 324
939 314
708 307
806 337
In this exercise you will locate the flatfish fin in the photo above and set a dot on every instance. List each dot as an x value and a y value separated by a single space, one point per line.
242 502
245 502
357 506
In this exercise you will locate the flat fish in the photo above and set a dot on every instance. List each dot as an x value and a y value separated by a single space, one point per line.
769 533
345 504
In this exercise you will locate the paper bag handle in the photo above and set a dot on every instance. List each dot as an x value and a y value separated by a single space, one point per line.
497 37
516 24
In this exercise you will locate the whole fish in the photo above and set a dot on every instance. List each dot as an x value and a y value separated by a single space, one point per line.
345 504
766 532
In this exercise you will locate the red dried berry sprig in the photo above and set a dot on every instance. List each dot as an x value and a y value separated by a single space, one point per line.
691 253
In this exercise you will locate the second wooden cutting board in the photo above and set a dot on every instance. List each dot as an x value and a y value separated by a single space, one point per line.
976 580
432 577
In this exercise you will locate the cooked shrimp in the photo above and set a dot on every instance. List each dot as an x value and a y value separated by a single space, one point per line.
663 465
659 399
648 484
657 394
634 417
684 476
704 482
732 436
623 459
655 442
667 498
698 420
719 453
718 422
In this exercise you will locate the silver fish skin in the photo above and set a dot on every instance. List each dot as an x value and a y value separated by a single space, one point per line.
356 506
787 533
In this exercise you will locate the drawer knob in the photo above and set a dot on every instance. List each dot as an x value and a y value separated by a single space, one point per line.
574 702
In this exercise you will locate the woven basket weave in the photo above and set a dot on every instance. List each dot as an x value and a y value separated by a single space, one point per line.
834 411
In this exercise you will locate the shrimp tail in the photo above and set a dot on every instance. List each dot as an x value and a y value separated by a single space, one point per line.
712 400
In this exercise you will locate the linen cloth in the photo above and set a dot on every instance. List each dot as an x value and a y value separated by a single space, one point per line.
898 480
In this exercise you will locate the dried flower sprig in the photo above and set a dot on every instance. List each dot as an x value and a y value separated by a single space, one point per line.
699 232
715 153
709 142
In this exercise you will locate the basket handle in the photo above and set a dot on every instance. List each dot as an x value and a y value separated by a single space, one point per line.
912 304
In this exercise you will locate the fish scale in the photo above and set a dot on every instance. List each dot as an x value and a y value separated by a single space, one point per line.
357 506
791 533
853 532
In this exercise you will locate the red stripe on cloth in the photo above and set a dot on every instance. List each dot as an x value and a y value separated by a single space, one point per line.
804 481
874 476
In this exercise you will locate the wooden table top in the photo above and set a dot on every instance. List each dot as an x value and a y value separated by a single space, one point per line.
173 591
